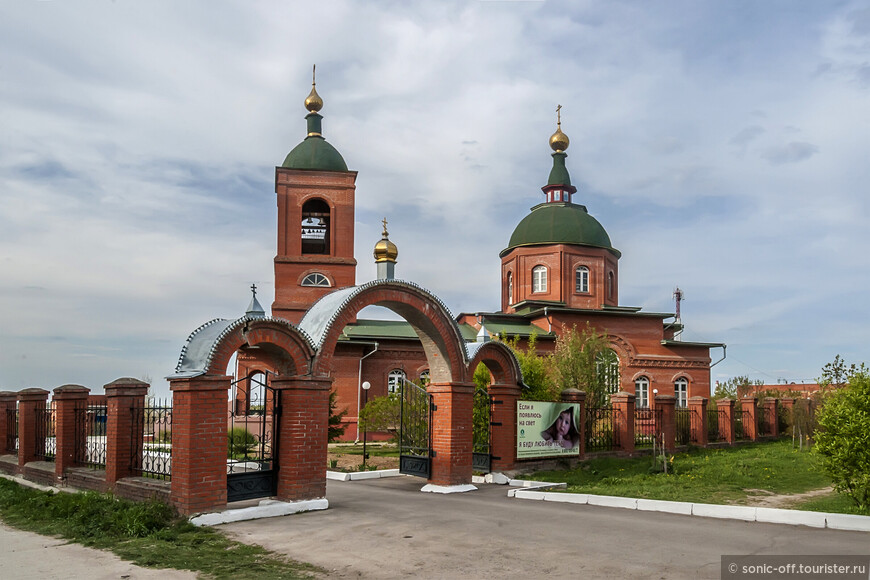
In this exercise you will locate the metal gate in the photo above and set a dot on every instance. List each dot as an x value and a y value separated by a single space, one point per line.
415 431
252 443
481 458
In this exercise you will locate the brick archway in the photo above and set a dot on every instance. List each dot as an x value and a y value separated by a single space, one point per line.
438 333
499 359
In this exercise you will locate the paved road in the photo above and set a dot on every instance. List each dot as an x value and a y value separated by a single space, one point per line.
387 529
29 556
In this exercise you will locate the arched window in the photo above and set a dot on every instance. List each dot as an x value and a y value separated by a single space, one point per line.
641 393
424 378
681 391
316 279
510 287
256 398
315 227
539 279
395 380
610 285
607 370
581 280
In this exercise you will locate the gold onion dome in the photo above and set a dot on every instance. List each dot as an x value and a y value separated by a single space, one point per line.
313 102
385 250
559 141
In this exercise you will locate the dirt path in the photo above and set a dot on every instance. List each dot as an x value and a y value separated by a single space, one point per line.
348 462
764 498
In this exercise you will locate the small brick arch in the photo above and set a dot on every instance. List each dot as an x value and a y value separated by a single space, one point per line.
279 345
501 362
431 320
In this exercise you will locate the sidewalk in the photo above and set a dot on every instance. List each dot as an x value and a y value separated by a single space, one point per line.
27 556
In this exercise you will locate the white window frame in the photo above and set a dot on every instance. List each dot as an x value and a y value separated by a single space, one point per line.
539 280
425 378
681 392
510 287
316 280
641 393
395 380
581 280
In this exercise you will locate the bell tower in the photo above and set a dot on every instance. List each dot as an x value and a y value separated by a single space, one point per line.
315 194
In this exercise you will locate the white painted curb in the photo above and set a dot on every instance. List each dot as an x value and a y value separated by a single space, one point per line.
431 488
704 510
357 475
268 508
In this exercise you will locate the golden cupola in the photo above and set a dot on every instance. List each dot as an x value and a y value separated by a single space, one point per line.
385 254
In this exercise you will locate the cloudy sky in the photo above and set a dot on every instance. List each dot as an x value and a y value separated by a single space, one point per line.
723 145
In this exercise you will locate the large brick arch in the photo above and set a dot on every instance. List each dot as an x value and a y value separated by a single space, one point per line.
428 316
500 360
278 343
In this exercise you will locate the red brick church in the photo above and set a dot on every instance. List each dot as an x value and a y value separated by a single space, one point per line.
559 269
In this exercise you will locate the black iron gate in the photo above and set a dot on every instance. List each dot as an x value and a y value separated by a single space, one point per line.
481 458
415 431
252 443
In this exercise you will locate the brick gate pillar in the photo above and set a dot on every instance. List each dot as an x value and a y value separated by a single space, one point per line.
698 421
452 437
788 404
70 401
28 401
123 397
726 430
667 403
503 424
303 435
579 397
750 417
623 419
8 399
199 443
771 409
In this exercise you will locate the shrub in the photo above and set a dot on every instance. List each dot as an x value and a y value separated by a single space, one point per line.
844 438
240 443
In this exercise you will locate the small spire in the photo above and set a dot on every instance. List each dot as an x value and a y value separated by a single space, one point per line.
483 334
313 102
386 234
255 310
385 254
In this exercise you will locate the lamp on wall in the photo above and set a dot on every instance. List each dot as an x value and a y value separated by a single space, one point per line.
365 387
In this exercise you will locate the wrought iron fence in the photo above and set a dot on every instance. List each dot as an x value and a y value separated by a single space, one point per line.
151 442
46 442
716 419
765 418
741 418
90 424
687 422
647 426
599 429
11 431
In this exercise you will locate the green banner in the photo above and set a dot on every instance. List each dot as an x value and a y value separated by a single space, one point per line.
547 429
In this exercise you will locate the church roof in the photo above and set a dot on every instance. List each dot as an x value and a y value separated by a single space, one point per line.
315 153
560 223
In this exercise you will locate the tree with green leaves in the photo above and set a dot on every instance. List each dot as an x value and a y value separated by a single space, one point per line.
736 388
336 429
844 438
574 364
536 372
382 414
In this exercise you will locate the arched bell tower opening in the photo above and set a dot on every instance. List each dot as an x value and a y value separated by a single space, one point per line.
315 227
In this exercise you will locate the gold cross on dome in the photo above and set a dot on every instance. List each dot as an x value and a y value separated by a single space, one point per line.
385 227
559 115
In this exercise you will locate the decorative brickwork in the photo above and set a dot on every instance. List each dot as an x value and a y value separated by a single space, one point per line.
122 397
623 421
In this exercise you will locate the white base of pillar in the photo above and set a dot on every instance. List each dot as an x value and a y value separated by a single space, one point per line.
431 488
268 508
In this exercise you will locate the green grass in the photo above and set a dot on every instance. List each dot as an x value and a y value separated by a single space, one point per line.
702 475
147 534
374 450
834 503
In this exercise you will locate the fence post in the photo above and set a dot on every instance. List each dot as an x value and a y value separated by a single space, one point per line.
771 407
727 430
28 401
750 417
623 420
123 396
788 404
698 427
302 436
69 400
667 403
7 403
199 442
503 432
579 397
452 438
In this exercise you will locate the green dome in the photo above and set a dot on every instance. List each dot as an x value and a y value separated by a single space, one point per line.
315 153
560 223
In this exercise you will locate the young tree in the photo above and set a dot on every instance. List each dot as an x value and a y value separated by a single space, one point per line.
736 388
336 429
535 371
844 438
382 414
574 365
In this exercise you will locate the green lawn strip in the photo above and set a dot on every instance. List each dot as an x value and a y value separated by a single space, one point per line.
372 450
701 475
145 533
832 503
